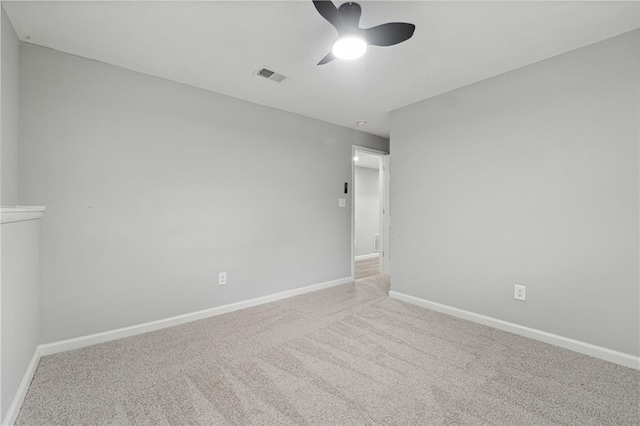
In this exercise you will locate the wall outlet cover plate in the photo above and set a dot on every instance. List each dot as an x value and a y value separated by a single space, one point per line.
519 292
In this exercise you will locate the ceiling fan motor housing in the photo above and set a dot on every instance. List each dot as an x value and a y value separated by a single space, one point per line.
350 13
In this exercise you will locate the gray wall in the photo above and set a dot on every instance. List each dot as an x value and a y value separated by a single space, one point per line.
19 307
9 141
152 188
367 208
18 241
527 178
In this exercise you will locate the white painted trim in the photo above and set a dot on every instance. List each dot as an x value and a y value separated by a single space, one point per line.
80 342
16 404
372 151
610 355
367 256
20 213
385 215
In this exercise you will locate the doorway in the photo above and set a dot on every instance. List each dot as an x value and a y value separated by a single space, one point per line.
370 230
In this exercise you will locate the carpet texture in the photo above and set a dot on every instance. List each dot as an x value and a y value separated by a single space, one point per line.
367 267
347 355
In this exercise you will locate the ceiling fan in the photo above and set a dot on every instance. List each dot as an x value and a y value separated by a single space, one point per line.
352 40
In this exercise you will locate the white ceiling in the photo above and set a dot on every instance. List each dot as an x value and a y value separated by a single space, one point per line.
219 45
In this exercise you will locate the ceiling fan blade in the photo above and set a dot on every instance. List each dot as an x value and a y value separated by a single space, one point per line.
388 34
329 11
330 57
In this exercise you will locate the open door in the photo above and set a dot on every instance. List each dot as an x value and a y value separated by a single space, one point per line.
374 258
385 223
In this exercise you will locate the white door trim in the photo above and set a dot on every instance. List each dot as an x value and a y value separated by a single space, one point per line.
385 216
383 232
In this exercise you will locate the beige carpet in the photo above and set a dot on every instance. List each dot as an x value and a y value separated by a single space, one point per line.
367 267
347 355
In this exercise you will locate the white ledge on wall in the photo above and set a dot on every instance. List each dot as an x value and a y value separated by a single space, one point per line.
20 213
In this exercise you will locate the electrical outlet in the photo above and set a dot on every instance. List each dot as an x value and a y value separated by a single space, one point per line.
519 292
222 278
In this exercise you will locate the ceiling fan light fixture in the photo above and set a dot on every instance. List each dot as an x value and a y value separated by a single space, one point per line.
349 47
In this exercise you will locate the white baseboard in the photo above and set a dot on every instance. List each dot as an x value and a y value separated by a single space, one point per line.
80 342
16 404
610 355
367 256
92 339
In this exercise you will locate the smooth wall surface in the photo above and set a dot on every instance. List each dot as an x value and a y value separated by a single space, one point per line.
20 299
527 178
9 107
367 209
153 188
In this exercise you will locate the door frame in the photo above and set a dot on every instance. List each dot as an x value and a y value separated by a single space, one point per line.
383 232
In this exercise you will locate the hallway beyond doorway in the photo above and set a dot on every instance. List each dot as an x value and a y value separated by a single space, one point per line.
367 267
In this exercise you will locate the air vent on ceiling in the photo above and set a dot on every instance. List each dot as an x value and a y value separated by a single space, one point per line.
271 75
